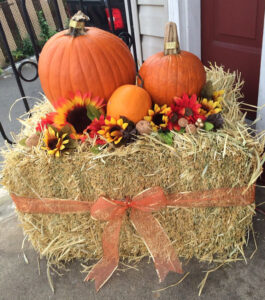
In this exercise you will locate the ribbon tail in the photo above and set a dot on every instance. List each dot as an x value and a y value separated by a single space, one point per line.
157 243
103 270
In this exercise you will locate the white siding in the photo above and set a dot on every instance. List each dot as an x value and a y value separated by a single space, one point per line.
149 19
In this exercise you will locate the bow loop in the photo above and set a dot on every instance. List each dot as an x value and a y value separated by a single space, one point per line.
150 200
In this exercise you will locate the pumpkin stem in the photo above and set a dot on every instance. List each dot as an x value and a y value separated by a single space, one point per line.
171 39
77 24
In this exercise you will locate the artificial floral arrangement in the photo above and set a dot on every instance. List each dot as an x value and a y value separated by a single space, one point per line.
123 171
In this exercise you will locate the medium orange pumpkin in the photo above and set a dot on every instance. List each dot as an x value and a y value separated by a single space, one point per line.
172 72
130 101
84 59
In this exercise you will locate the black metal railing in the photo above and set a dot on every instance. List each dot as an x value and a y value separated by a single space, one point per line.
18 72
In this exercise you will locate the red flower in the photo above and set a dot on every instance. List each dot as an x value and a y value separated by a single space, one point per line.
48 120
93 129
185 107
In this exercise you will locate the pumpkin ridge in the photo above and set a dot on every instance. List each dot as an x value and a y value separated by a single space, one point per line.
167 73
109 64
124 62
50 62
62 84
77 50
89 52
69 65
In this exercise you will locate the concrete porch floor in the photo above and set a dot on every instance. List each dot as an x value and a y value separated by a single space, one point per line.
22 281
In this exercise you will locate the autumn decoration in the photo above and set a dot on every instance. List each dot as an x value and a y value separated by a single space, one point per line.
172 73
149 160
84 59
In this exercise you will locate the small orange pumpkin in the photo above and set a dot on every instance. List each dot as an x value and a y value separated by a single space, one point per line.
173 72
84 59
130 101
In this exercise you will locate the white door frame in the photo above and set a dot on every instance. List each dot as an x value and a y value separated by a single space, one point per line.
261 98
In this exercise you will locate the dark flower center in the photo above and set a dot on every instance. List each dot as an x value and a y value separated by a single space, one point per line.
188 112
116 128
79 119
52 143
174 118
158 119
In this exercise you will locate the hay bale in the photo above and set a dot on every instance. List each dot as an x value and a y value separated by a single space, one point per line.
226 159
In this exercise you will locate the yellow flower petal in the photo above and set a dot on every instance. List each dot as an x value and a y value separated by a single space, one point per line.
125 125
120 122
147 118
156 108
62 147
57 154
118 140
51 131
115 133
113 121
151 112
52 151
101 132
66 142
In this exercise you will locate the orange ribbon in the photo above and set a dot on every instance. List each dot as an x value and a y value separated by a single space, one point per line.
141 207
152 233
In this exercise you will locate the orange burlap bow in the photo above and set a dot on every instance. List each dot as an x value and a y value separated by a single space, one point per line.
141 208
151 232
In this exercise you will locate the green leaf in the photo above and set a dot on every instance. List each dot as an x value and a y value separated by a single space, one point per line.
66 129
95 150
92 112
208 126
166 137
23 142
182 130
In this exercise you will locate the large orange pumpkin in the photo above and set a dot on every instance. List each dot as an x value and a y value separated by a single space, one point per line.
84 59
172 72
130 101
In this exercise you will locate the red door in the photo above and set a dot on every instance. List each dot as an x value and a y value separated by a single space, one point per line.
232 36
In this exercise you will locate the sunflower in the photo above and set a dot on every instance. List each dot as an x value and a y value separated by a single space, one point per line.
212 106
55 142
121 131
79 111
158 117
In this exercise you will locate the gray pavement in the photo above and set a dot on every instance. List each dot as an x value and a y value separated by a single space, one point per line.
21 281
